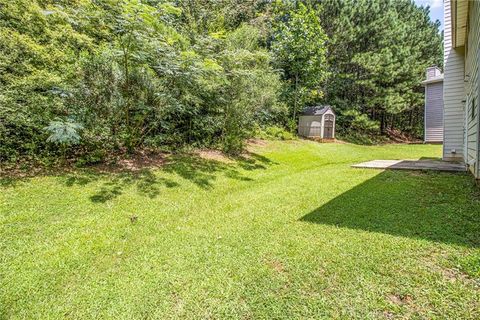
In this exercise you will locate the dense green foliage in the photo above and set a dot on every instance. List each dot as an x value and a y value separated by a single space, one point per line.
154 73
299 46
378 52
290 233
127 72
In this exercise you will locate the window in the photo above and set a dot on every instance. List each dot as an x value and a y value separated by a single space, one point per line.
472 109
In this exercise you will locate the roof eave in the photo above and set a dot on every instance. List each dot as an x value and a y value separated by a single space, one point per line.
434 80
459 22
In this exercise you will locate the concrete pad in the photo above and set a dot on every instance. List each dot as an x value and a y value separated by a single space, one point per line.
413 165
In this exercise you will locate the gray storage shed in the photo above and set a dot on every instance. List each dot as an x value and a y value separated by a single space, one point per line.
433 114
317 122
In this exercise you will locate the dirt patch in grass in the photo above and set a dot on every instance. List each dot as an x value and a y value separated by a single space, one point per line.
388 314
114 163
276 265
215 155
256 143
398 136
400 299
122 162
141 160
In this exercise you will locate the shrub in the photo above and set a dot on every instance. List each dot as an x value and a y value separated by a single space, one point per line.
274 133
353 120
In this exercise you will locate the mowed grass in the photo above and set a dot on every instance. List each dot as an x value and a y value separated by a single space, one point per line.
289 232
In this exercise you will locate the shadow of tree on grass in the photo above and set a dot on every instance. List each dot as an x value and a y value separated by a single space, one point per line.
146 182
202 172
440 207
149 182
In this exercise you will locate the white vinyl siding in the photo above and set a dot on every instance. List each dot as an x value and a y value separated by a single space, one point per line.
434 112
472 87
454 93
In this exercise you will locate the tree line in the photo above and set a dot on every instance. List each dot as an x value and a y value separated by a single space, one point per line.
84 78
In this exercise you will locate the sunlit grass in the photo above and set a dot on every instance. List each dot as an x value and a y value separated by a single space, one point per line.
290 232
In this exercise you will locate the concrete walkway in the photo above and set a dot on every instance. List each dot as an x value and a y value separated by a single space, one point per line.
435 165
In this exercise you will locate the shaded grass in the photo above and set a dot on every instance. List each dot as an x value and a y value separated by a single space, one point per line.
290 232
415 205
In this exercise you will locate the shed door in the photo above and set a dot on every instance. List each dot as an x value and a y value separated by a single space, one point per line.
328 128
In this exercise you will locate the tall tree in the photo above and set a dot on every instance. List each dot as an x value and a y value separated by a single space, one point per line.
377 53
299 46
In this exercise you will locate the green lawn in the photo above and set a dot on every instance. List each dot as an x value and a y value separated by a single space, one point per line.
290 232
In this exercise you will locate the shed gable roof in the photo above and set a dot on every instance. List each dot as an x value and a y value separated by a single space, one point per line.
316 110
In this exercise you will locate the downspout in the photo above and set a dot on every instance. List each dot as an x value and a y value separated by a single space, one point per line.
425 115
477 165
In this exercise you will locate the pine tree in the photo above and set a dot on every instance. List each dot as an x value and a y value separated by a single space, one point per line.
377 53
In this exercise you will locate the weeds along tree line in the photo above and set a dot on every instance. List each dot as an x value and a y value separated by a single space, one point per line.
84 78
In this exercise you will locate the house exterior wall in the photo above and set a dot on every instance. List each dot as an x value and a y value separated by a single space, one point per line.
434 112
453 94
472 88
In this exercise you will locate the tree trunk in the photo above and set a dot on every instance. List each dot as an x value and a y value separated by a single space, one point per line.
382 122
127 85
295 104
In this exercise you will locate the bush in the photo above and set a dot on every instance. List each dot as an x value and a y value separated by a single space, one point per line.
355 121
362 138
138 82
94 157
274 133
